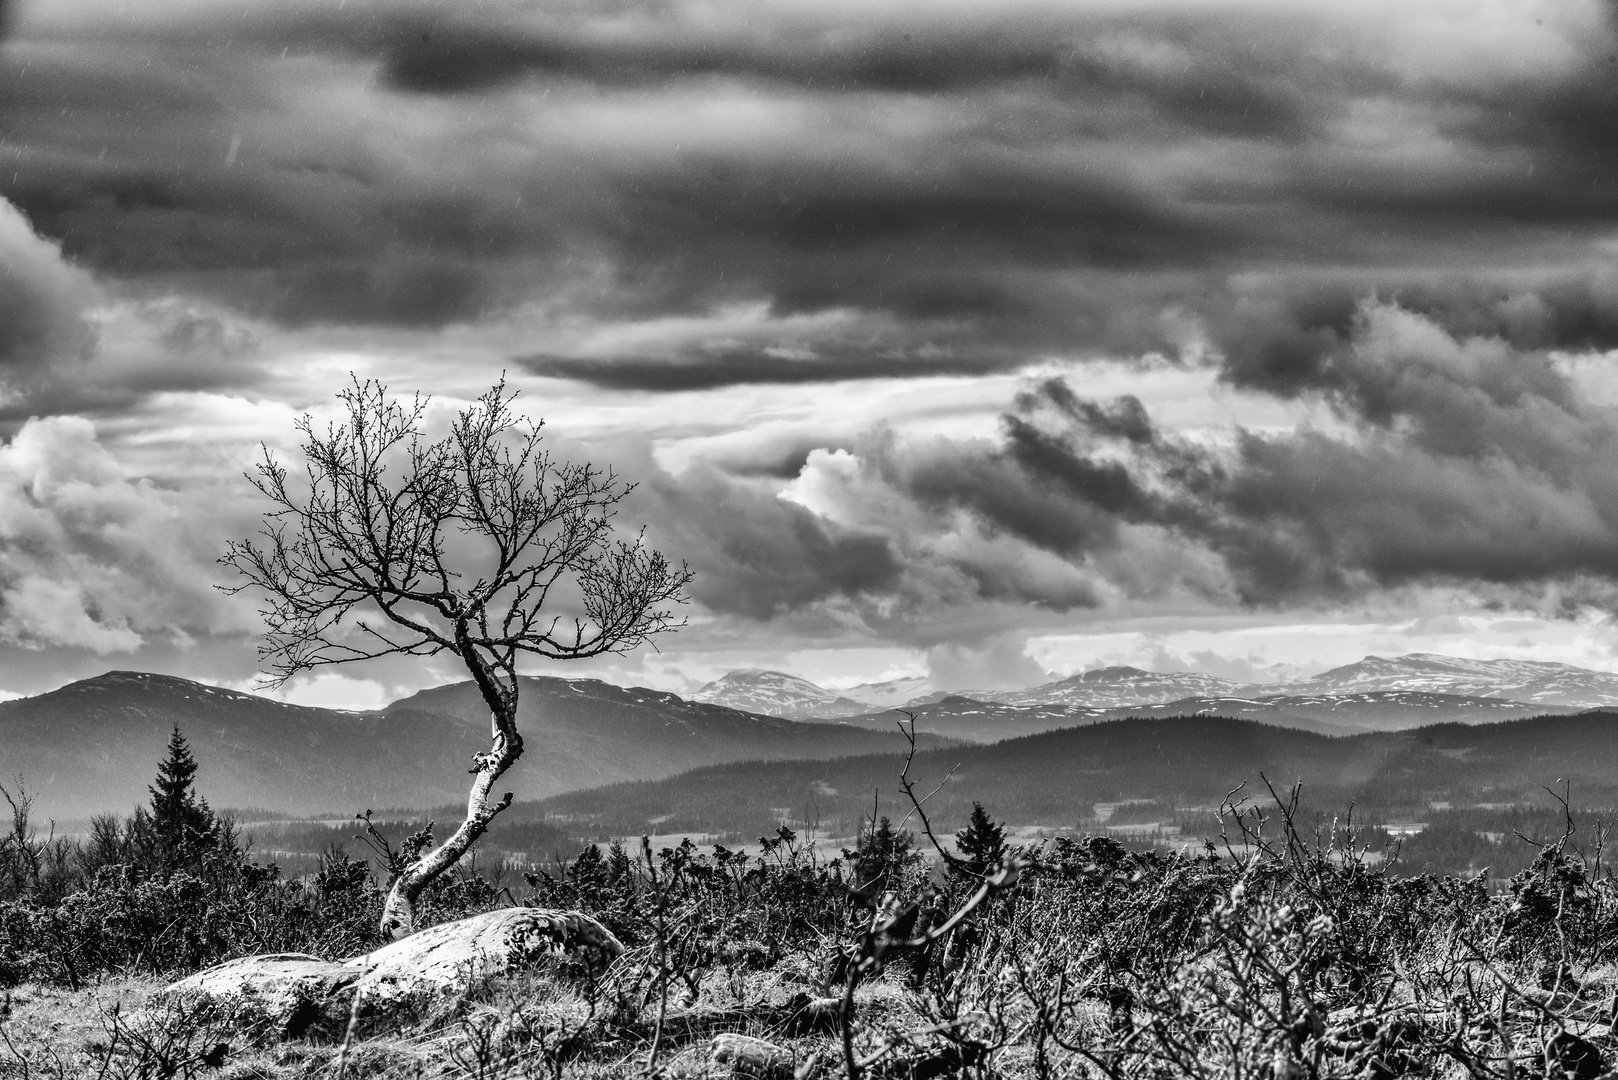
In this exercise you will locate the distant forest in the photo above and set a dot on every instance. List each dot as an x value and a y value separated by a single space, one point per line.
1449 799
1060 779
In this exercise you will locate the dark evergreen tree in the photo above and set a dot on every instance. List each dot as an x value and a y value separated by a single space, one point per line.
182 824
884 852
588 872
618 863
982 843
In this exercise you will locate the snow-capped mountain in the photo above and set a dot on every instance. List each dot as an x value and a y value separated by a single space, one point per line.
958 717
1379 686
893 692
1534 681
1115 687
775 693
1365 710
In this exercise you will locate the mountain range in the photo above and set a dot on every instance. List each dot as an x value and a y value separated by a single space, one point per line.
957 717
93 746
775 693
1376 693
1537 681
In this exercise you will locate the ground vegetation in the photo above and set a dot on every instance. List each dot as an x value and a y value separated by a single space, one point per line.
1280 951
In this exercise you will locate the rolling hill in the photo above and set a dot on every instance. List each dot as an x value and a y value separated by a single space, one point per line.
1057 778
92 746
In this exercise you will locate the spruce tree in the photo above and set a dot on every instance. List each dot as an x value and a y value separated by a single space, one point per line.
982 843
182 822
884 852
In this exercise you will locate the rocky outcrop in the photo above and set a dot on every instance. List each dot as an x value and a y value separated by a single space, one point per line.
449 957
294 995
287 995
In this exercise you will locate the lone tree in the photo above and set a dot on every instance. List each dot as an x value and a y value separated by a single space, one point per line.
982 843
477 544
183 825
884 852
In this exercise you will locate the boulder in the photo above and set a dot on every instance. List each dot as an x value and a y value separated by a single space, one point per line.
450 957
745 1056
293 995
285 995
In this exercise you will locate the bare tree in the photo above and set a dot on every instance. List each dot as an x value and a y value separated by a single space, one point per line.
477 544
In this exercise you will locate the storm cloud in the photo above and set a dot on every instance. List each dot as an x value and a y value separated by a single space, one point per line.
995 185
43 304
733 233
1462 459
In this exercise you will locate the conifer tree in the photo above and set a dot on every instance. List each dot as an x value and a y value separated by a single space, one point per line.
982 843
183 823
883 852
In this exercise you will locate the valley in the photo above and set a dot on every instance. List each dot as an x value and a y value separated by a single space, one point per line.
1094 751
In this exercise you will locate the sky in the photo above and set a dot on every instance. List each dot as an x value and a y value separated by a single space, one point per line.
984 341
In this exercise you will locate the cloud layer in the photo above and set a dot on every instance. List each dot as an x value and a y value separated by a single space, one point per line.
93 561
1458 461
1384 237
970 189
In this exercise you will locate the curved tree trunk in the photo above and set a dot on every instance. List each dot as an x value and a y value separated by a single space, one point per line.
399 910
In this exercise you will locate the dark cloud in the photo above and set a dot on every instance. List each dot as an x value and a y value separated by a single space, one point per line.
43 303
758 555
994 486
1468 461
997 182
736 368
1290 337
1461 460
463 56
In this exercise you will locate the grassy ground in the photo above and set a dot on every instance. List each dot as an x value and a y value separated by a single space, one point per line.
519 1027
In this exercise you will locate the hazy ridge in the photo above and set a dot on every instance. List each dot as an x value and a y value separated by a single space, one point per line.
92 746
1057 778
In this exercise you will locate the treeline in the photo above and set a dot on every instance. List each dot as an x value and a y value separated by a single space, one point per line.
177 830
501 854
1058 779
175 886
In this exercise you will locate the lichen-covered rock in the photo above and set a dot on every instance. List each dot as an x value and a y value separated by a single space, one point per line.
743 1055
294 995
286 995
451 956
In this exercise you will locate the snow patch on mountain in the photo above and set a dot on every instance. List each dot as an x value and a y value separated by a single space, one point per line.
1115 687
892 692
1530 682
1537 682
775 693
